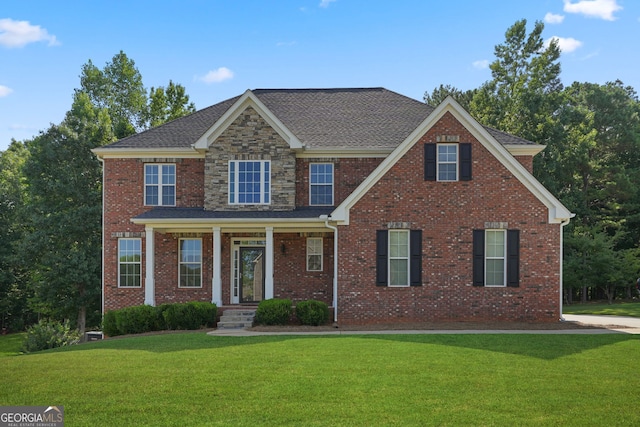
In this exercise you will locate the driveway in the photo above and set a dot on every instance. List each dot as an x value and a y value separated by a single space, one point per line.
628 325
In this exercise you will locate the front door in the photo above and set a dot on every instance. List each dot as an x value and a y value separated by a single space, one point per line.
251 275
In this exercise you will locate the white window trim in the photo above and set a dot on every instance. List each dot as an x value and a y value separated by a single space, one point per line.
160 185
407 258
311 184
309 239
120 263
236 184
438 162
180 263
503 258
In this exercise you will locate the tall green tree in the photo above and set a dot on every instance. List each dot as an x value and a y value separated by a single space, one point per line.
441 92
63 245
170 103
14 294
118 88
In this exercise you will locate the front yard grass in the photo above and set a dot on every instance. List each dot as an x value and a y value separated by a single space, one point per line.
623 308
191 379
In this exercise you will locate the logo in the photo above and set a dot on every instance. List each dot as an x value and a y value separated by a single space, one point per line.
31 416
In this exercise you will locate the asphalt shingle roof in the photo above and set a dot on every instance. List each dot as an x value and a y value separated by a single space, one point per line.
200 213
357 118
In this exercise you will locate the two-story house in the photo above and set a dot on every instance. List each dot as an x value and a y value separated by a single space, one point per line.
385 208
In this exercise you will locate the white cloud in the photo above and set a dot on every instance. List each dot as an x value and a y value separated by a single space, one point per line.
566 44
481 64
551 18
603 9
5 91
217 76
326 3
20 33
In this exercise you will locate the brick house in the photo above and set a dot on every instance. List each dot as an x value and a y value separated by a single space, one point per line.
385 208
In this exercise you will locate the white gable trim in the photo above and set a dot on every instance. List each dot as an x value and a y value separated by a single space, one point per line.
248 99
558 213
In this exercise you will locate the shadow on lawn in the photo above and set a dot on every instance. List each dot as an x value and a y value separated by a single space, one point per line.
546 347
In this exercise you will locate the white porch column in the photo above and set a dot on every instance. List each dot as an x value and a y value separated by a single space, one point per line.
216 286
149 283
268 264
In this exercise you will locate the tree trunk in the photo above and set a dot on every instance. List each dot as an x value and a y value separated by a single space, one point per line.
82 320
584 294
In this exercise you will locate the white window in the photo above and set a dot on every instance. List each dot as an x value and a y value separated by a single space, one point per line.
249 182
129 263
321 183
447 162
159 184
398 257
190 263
314 254
495 258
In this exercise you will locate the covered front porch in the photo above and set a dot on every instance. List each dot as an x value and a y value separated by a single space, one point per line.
246 256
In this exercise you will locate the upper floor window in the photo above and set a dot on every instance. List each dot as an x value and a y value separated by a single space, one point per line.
159 184
447 162
321 183
249 182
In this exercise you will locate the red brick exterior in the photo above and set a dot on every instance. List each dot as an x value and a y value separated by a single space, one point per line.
446 212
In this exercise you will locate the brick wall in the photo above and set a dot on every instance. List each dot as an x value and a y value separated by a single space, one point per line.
123 200
348 173
447 213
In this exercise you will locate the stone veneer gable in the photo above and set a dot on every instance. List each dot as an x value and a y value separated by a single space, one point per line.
250 137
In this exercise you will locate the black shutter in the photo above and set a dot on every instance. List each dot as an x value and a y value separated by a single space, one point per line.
429 162
478 257
382 246
465 162
513 258
415 246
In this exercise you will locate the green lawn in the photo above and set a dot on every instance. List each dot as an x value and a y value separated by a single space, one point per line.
191 379
603 308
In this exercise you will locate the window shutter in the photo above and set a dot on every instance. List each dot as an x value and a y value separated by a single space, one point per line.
382 246
513 258
429 162
478 257
415 246
465 162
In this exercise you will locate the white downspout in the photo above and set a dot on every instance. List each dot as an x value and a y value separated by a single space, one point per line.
562 224
335 266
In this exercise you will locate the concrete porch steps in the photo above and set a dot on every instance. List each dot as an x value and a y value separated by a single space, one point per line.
237 318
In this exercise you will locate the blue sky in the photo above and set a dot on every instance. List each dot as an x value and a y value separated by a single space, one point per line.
219 48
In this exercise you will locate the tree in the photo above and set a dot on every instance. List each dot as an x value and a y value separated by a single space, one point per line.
64 185
441 92
14 294
168 104
117 88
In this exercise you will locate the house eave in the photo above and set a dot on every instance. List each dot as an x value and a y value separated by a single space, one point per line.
138 153
524 150
231 224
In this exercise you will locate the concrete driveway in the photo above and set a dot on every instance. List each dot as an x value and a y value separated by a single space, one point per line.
628 325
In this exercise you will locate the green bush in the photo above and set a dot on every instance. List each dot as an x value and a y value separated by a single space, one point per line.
49 334
109 327
138 319
190 315
312 312
273 312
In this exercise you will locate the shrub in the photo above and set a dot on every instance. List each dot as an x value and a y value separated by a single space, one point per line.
137 319
312 312
109 327
49 334
190 315
273 312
